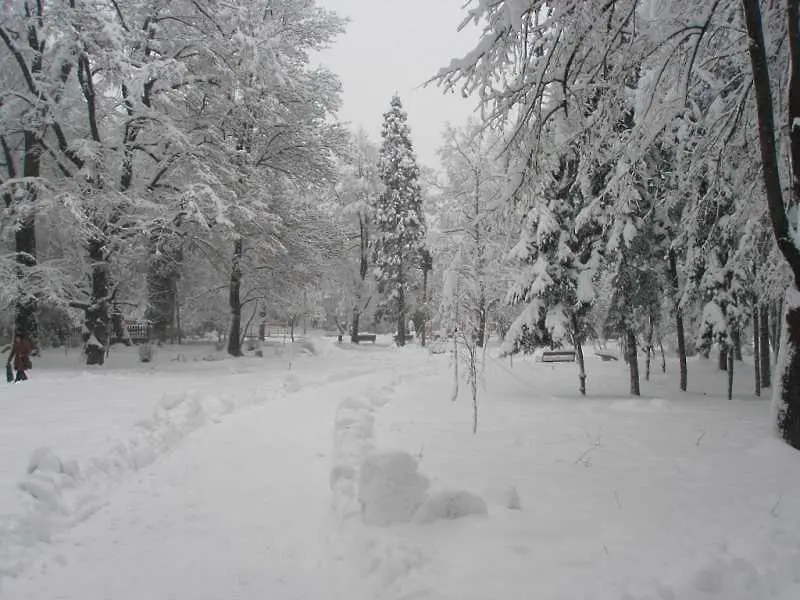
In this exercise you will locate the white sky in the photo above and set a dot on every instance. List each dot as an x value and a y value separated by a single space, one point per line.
395 46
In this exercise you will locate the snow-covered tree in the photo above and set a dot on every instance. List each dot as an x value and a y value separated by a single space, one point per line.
471 238
399 220
159 122
684 60
357 191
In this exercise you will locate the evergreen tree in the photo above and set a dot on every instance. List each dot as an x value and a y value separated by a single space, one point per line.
399 221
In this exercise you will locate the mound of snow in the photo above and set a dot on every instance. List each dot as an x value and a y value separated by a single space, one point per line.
390 489
511 499
292 383
450 504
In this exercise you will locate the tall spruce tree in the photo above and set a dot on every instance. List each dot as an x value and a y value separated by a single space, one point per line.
399 220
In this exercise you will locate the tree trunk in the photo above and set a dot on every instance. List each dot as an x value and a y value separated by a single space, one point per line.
25 240
786 393
633 361
777 320
178 329
424 325
624 343
663 356
356 318
162 275
97 313
736 341
673 267
581 368
291 328
723 358
763 346
731 355
401 317
480 334
648 358
757 348
235 302
787 370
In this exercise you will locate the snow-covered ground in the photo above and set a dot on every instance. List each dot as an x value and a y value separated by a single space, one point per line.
324 471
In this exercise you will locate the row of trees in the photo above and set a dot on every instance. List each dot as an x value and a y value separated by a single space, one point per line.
181 162
145 142
643 153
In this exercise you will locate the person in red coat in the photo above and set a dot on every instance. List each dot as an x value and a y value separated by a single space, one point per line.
21 355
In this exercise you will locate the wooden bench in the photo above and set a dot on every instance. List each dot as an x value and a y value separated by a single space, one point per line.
558 356
606 356
366 337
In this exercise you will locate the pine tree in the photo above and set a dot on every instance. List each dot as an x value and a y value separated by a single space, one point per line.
399 220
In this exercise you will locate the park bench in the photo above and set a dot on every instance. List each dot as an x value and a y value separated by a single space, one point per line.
366 337
607 356
409 338
558 356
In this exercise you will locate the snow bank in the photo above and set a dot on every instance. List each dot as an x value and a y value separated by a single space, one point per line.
57 491
390 489
450 505
611 486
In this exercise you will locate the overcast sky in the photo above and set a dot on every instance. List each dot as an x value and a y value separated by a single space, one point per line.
395 46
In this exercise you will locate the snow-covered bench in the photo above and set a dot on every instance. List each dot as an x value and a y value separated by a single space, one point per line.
558 356
366 337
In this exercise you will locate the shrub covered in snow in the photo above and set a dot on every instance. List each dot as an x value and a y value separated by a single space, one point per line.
390 489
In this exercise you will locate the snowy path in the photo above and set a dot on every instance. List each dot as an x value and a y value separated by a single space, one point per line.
238 510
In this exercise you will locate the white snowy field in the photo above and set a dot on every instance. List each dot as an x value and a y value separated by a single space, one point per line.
349 473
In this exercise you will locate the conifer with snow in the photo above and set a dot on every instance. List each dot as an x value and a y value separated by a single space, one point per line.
399 222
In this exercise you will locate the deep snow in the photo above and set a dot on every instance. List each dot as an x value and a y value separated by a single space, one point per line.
337 472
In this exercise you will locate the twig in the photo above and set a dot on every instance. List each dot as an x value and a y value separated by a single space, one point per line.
774 510
699 439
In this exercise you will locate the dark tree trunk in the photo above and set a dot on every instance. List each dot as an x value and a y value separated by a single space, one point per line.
648 357
235 301
25 239
789 372
291 328
723 358
673 267
401 317
581 368
178 327
427 265
731 361
777 318
736 341
262 331
633 361
480 334
97 313
162 284
763 346
757 348
663 356
363 267
356 319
